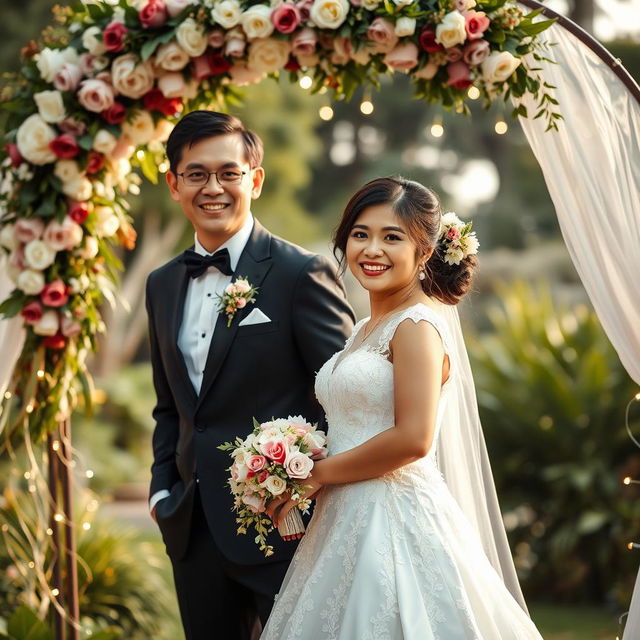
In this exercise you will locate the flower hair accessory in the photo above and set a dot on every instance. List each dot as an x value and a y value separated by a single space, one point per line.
457 239
236 296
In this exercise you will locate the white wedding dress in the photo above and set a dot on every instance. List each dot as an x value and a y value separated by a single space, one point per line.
392 558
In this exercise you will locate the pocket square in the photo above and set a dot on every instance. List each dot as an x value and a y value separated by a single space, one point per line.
255 317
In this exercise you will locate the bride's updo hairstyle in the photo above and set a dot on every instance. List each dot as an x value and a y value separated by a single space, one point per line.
419 211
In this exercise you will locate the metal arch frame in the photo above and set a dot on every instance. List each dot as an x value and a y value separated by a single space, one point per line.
586 38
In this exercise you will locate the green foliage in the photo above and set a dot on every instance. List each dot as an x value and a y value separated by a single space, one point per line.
552 395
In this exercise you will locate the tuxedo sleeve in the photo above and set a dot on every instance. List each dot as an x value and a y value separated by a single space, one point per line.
322 317
164 473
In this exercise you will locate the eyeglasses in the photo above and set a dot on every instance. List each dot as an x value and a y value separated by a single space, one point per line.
199 178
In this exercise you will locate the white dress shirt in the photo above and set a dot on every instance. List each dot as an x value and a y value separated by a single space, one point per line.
200 314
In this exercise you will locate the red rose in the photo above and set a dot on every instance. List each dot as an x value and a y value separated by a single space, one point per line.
292 64
476 24
14 154
55 342
154 100
65 146
78 211
115 114
209 64
153 14
96 162
262 476
459 75
113 36
32 312
55 294
428 40
286 17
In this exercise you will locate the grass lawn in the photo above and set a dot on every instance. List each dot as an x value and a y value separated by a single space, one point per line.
560 622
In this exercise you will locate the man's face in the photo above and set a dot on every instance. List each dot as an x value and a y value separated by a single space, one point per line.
216 211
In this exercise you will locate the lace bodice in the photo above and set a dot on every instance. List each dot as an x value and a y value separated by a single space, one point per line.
355 386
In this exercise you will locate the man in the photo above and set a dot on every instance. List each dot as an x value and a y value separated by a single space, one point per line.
211 379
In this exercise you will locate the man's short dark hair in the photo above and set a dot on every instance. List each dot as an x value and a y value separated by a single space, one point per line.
197 125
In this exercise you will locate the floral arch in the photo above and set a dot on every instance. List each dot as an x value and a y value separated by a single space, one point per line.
101 94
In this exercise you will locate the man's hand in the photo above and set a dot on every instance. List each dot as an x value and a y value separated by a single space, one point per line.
153 514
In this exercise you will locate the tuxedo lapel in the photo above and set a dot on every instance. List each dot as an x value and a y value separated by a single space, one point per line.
253 265
176 296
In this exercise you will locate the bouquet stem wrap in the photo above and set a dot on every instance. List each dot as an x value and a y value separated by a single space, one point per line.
292 524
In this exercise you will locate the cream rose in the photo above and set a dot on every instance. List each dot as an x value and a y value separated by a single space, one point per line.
38 255
191 37
275 485
171 57
8 237
67 170
28 229
370 5
268 55
47 325
79 189
298 465
107 222
90 248
92 41
50 106
174 7
329 14
139 128
50 61
31 282
499 66
227 13
452 30
242 75
163 130
256 21
427 72
33 139
95 95
171 84
104 142
405 27
131 77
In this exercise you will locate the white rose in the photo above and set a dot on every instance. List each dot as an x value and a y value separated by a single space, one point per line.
452 30
329 14
275 485
67 170
405 27
104 142
370 5
131 77
227 13
107 222
47 325
33 139
92 41
268 55
38 255
298 465
174 7
50 106
171 57
256 22
50 61
499 65
31 282
90 248
79 189
8 237
191 37
139 128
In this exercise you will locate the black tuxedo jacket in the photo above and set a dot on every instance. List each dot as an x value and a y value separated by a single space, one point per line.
262 371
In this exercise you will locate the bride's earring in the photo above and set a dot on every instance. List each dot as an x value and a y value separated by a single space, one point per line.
421 274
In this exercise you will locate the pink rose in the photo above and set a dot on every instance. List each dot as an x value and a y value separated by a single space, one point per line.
65 146
86 63
453 234
124 149
242 286
234 47
304 42
114 35
459 75
32 312
298 466
63 236
275 450
427 72
209 64
286 17
68 77
229 309
403 58
55 294
476 51
73 126
28 229
476 24
171 84
256 463
304 7
241 303
95 95
216 38
382 33
341 50
70 328
153 14
454 54
254 502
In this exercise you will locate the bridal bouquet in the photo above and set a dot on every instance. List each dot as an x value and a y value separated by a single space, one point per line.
277 456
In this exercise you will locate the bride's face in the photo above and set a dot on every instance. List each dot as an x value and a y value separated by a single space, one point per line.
380 253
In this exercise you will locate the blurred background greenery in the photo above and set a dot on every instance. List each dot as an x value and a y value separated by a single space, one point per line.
551 389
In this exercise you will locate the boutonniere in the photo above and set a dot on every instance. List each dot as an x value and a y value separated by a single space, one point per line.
236 296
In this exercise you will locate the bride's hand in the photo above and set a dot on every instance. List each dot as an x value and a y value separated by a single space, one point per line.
277 508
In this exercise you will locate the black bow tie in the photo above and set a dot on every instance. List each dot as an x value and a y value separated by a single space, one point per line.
197 264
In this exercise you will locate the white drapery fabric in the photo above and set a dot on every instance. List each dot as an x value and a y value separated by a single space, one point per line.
11 331
592 170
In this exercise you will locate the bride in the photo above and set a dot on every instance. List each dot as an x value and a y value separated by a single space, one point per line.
389 554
